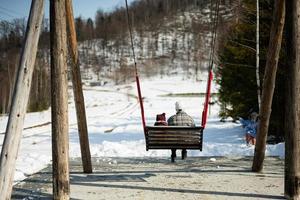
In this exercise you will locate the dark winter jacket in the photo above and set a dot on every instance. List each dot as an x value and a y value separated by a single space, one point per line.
161 120
181 119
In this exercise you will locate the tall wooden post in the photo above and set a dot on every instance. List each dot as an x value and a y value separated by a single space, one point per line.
269 84
77 89
59 100
20 99
292 137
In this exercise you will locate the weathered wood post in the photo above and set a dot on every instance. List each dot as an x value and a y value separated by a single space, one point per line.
59 100
14 127
292 136
77 89
269 84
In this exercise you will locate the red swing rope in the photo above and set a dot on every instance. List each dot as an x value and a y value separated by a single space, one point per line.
210 74
207 99
210 69
136 73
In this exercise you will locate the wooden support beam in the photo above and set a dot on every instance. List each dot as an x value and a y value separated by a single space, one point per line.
17 113
77 90
269 84
292 133
59 100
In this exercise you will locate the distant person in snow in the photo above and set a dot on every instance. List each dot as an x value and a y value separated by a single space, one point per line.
180 119
250 126
161 120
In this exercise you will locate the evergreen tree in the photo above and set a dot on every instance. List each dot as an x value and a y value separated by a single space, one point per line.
236 72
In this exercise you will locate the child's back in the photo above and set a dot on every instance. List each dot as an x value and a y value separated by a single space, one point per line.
161 120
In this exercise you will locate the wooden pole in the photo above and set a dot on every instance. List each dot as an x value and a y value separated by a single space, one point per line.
59 100
77 89
269 84
292 137
15 123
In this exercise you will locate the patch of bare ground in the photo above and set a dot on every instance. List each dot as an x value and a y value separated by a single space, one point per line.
158 178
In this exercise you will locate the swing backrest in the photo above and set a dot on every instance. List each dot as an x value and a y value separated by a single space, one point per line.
174 137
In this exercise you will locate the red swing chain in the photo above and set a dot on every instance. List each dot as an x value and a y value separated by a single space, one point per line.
141 102
210 71
207 99
136 73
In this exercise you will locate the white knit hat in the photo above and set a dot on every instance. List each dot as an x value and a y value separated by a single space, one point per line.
178 106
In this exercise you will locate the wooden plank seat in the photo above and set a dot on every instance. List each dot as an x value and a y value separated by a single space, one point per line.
174 137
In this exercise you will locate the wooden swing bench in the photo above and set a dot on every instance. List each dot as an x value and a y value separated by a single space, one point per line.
174 137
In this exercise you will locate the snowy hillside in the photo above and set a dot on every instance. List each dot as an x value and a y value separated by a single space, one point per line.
179 43
115 128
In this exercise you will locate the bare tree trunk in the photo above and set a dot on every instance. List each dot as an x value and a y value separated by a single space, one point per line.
11 86
269 84
77 89
257 55
4 98
14 127
59 100
292 137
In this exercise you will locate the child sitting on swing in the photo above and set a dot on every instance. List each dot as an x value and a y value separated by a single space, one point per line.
161 120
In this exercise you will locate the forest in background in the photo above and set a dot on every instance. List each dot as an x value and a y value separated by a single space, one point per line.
170 36
11 38
236 71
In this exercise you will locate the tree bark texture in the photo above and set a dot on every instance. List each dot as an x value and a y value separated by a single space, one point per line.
269 84
77 89
15 123
292 125
59 100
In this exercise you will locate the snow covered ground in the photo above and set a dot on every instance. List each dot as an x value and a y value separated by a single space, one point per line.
115 128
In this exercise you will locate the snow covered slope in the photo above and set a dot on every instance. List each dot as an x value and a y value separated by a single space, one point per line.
115 128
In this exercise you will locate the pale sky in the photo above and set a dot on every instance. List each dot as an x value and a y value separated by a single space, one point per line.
10 9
